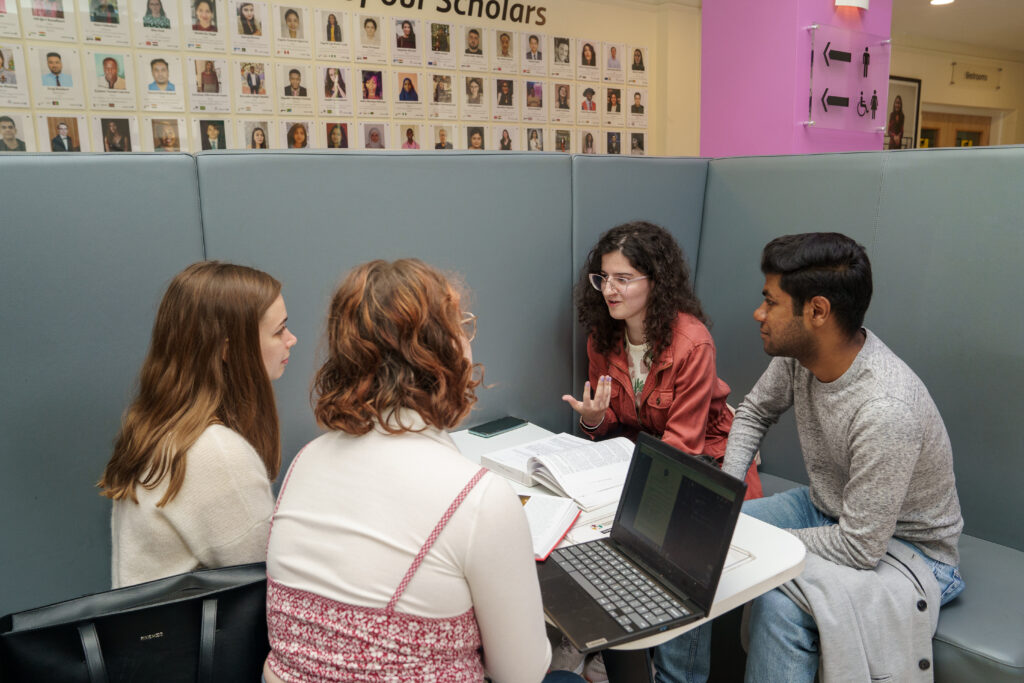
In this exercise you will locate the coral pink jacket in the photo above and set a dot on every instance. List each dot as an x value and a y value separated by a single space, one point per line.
682 402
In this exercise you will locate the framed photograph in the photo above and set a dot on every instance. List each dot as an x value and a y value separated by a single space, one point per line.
440 51
254 133
333 35
336 134
296 135
904 113
165 134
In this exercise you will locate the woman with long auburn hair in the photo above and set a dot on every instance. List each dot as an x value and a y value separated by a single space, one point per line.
391 556
199 445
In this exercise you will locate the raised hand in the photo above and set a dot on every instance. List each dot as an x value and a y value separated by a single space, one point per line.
592 407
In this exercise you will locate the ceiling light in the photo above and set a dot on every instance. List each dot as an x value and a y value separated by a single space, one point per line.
942 2
863 4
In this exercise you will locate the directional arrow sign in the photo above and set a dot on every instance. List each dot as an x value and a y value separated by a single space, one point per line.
833 100
837 55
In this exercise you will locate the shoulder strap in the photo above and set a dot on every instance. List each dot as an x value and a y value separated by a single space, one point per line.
280 495
432 538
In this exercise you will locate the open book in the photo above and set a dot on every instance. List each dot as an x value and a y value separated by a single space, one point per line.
590 473
550 518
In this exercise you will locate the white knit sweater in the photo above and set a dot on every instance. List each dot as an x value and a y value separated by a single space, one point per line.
219 518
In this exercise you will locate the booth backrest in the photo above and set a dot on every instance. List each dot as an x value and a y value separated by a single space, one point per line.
501 224
89 243
608 191
943 231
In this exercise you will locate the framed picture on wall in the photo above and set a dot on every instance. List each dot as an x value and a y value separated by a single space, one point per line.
904 113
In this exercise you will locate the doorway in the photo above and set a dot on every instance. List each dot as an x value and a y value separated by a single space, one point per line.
954 130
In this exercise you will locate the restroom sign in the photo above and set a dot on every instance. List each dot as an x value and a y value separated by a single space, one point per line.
975 75
848 79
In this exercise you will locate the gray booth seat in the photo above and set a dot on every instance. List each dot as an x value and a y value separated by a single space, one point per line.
502 224
609 190
942 228
89 245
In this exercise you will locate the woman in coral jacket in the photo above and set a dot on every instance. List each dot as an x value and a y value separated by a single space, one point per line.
652 359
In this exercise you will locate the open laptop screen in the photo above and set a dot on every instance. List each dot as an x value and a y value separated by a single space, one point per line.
677 515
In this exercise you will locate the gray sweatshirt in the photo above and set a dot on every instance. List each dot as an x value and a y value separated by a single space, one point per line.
870 623
876 450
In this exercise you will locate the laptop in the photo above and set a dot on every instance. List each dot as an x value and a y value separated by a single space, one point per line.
660 566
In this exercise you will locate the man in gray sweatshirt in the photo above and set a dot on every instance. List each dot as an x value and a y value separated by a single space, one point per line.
876 450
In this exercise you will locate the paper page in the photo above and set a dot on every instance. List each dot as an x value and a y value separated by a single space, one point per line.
588 456
597 497
518 456
592 525
592 475
601 516
548 517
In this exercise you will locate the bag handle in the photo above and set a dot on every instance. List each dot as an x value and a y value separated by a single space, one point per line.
97 668
93 654
207 636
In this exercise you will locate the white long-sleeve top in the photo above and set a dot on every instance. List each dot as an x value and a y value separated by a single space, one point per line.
354 512
220 516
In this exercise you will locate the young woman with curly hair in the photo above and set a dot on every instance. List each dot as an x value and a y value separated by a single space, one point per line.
652 359
391 556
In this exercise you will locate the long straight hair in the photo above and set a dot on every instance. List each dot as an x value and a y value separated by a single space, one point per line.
204 367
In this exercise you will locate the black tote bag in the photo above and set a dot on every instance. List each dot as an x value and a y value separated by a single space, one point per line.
208 625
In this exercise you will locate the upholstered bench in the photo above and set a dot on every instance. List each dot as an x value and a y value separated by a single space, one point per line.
981 633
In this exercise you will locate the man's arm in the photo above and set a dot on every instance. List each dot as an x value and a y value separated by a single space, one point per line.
760 409
884 445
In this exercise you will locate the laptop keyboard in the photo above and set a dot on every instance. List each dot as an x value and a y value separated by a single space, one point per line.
627 595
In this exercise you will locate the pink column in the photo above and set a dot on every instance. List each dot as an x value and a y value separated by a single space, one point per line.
755 61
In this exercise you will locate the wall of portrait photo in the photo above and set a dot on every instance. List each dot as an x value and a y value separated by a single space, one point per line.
150 75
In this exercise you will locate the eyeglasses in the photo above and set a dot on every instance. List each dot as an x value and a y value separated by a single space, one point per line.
616 282
468 324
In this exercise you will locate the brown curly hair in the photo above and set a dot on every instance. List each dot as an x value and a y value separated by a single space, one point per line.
394 341
654 252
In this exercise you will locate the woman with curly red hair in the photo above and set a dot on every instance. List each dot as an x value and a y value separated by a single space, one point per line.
391 556
652 359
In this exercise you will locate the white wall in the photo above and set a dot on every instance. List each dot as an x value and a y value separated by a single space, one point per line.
670 31
931 62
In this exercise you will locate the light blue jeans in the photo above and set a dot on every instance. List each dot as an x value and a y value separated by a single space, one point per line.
783 638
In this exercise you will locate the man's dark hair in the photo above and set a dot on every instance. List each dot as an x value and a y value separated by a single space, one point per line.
53 54
826 264
158 60
370 20
8 119
296 72
472 31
